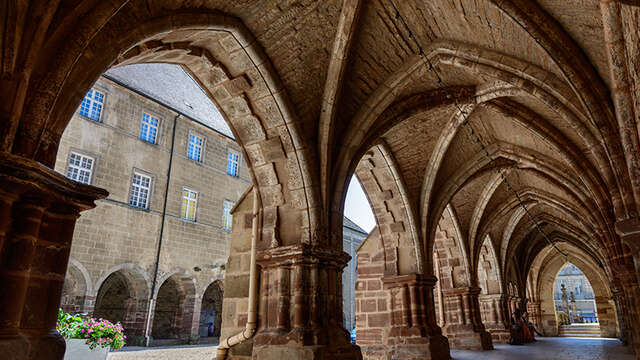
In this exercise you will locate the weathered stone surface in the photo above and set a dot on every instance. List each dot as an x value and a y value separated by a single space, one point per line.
511 120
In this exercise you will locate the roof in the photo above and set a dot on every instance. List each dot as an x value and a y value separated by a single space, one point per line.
172 86
353 226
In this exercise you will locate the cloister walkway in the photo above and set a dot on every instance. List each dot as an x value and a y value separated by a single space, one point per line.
544 349
553 348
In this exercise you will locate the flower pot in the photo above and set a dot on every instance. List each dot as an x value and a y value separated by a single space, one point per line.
78 350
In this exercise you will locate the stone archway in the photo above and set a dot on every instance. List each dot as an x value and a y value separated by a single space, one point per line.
492 297
458 299
211 311
541 280
391 314
173 313
122 297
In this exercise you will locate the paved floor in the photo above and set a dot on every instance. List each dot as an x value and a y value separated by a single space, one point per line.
543 349
552 349
182 352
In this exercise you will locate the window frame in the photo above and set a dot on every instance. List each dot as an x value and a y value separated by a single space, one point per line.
82 154
195 210
202 147
104 104
231 150
224 220
151 185
158 127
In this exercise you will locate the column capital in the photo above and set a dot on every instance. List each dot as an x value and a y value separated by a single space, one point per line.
629 232
467 290
30 179
394 281
300 254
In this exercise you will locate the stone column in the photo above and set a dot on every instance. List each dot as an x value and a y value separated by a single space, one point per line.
535 313
300 310
38 211
413 332
463 325
494 319
617 295
629 232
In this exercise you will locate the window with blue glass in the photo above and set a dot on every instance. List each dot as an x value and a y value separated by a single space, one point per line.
194 150
233 163
92 104
149 128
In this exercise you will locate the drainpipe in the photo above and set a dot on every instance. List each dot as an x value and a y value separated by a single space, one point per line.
252 308
152 296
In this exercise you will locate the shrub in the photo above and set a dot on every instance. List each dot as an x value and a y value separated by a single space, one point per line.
98 332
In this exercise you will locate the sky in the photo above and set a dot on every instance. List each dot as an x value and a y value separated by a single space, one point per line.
357 208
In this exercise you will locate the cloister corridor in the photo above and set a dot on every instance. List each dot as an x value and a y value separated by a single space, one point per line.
496 141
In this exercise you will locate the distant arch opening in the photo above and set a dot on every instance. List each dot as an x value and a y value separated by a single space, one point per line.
211 312
122 297
573 297
173 314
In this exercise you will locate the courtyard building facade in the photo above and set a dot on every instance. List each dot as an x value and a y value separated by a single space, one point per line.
153 254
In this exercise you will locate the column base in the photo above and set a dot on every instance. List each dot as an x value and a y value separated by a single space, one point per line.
499 333
311 352
464 337
50 346
14 348
434 347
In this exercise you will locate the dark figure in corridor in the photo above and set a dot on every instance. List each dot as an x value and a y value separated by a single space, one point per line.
517 334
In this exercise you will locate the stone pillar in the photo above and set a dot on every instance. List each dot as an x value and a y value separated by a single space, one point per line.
300 310
617 295
535 313
629 232
463 324
414 333
38 211
494 316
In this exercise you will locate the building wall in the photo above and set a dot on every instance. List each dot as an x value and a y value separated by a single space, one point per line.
575 281
117 236
351 240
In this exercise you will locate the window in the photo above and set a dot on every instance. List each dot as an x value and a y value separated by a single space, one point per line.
140 189
189 204
80 168
194 151
227 218
149 128
233 159
91 105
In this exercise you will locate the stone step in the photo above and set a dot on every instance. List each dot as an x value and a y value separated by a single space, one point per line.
579 330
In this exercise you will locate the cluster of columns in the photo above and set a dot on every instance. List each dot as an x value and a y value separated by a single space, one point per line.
494 316
38 211
300 306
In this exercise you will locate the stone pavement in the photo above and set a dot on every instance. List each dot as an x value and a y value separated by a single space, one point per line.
553 348
543 349
182 352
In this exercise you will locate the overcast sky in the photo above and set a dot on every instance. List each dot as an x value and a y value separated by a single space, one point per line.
357 208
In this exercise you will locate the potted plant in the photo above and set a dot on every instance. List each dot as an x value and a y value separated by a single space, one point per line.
89 338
